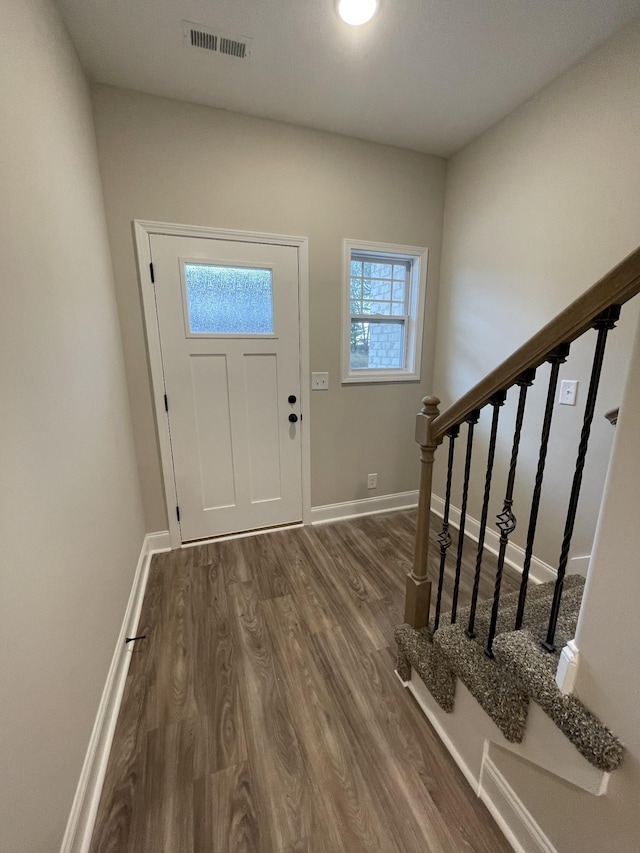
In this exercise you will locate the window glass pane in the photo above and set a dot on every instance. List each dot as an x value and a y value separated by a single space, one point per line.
355 288
356 267
380 289
367 268
381 270
376 345
229 300
398 291
399 271
379 308
397 308
356 307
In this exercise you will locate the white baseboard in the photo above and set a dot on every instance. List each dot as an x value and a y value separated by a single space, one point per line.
539 571
77 836
579 565
156 543
509 812
366 506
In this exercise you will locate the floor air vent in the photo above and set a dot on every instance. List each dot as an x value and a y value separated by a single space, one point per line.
216 42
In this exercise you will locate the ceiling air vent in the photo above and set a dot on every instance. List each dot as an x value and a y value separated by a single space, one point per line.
216 42
233 47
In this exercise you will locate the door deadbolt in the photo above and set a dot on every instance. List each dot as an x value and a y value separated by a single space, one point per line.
291 399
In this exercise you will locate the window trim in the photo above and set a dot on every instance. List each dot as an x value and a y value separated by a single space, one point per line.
415 318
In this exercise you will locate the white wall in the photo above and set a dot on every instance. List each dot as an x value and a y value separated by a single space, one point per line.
71 522
169 161
537 209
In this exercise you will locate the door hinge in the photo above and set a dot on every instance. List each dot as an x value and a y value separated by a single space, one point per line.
178 513
153 278
166 403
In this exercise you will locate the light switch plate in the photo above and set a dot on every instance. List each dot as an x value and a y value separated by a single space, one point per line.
568 392
319 381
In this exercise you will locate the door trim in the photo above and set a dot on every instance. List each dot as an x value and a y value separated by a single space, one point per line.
142 231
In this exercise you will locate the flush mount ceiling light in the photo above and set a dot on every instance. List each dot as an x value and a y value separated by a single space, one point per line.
357 12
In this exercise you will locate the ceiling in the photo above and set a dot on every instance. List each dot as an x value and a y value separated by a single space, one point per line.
429 75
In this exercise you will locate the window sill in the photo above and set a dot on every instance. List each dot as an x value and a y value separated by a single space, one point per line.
365 378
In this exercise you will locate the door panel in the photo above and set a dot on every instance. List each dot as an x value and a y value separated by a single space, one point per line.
263 419
229 333
210 396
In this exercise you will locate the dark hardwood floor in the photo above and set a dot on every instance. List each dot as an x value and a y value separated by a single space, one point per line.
262 713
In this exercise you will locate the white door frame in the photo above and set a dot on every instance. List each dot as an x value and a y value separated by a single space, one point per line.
142 231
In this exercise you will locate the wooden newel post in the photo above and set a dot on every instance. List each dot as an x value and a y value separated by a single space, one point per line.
418 594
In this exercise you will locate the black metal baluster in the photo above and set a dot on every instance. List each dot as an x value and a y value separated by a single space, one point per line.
471 419
497 401
556 358
444 537
604 323
507 520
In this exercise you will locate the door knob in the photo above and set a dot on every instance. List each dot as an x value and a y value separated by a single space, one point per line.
291 399
293 418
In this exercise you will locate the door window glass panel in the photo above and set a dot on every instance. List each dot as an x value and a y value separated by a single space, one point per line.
227 300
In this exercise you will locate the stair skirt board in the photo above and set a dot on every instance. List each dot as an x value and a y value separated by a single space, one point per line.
540 572
79 829
509 812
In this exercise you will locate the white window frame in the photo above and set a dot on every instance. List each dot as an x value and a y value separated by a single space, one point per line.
414 323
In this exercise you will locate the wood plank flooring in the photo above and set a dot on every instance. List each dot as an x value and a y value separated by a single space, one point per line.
262 713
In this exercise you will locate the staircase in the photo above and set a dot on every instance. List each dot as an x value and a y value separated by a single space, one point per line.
506 652
519 670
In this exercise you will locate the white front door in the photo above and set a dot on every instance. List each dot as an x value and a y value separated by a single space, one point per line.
229 334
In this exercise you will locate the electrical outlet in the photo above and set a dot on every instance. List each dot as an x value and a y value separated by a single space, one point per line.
568 392
319 381
372 481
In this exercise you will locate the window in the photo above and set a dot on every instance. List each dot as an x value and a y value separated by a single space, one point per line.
384 290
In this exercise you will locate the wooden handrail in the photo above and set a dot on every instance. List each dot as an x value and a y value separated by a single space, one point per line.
615 288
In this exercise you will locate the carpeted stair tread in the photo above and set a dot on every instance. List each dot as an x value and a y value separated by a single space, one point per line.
519 670
537 607
509 605
527 665
416 649
502 699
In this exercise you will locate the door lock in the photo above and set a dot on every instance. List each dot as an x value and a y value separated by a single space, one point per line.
293 419
291 399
